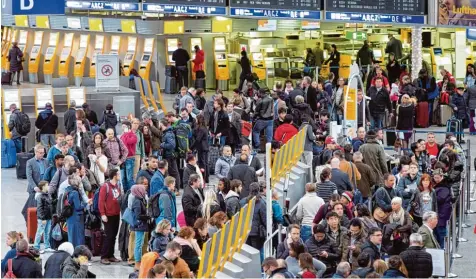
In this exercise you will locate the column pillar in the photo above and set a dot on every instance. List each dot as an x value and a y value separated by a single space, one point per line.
417 54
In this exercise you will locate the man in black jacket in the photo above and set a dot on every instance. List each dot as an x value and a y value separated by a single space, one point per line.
360 109
379 101
192 200
373 246
181 58
264 118
310 93
47 123
417 261
243 172
322 248
24 264
70 118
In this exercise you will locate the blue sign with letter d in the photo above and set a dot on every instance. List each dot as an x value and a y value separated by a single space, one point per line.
33 7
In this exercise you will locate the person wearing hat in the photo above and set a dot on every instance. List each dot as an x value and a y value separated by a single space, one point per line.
459 103
46 123
54 262
346 200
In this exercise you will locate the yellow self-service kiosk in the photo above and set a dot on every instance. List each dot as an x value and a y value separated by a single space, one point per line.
6 47
9 96
221 62
440 60
35 57
80 59
22 42
146 61
170 46
98 49
65 57
259 65
115 44
51 57
130 58
43 96
195 42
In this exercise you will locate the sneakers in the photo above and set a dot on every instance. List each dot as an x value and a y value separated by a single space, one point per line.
49 250
105 261
42 251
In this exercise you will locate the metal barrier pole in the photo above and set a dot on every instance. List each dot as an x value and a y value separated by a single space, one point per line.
447 259
454 236
461 214
466 192
468 175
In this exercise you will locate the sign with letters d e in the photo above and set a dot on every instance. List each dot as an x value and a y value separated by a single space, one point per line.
107 71
33 7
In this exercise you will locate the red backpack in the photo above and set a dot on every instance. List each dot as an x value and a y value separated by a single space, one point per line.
9 273
445 98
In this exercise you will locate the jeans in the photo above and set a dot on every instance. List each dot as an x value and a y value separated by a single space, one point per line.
111 227
222 141
376 121
47 140
258 127
43 229
127 174
307 157
306 232
182 76
440 233
430 111
138 246
18 144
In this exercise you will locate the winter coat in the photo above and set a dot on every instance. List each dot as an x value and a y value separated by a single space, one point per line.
264 108
371 249
362 272
72 269
15 57
47 122
155 135
383 198
9 255
234 135
53 264
74 223
147 173
244 173
416 203
461 103
223 124
156 183
394 46
282 251
44 207
393 72
12 123
347 254
277 213
379 100
342 238
302 110
192 205
198 61
168 143
285 132
168 207
405 117
374 157
70 120
444 204
259 217
200 102
158 242
453 177
189 255
223 166
367 179
200 140
341 180
139 209
25 266
418 262
392 273
403 190
232 202
334 254
293 94
245 66
109 119
471 91
86 139
188 171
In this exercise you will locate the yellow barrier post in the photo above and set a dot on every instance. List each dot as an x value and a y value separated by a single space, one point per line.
161 99
210 260
142 95
151 96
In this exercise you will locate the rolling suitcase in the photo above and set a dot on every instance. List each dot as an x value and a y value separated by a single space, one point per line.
213 154
31 224
422 115
170 71
444 114
7 78
22 158
200 83
170 85
9 153
455 125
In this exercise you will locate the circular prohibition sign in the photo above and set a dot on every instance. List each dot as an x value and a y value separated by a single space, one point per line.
106 70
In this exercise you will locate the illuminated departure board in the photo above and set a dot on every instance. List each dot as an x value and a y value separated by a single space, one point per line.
277 4
190 2
410 7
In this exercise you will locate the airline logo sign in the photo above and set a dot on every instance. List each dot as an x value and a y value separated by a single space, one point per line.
33 7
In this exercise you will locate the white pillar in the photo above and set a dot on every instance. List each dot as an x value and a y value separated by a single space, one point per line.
459 71
417 54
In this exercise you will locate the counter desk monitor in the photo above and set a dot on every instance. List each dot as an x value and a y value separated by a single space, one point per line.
65 56
115 44
9 96
51 56
440 60
98 49
80 59
195 42
35 57
145 64
22 43
170 46
258 64
130 58
222 72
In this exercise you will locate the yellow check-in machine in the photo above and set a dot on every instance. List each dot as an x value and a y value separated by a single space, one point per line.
51 56
35 57
9 96
115 44
344 65
440 60
22 43
6 41
78 94
98 49
146 61
65 57
259 65
130 58
171 45
222 73
80 59
195 42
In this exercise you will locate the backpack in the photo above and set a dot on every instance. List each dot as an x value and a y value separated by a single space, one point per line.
182 132
22 123
9 273
147 262
153 209
95 209
65 209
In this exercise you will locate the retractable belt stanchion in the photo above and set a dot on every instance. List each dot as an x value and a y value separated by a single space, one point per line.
461 212
454 236
468 185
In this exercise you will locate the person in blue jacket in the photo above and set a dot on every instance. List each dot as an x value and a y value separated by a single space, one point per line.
157 180
75 222
277 210
167 203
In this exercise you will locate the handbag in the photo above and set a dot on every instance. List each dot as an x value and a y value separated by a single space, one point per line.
129 217
38 133
56 232
200 74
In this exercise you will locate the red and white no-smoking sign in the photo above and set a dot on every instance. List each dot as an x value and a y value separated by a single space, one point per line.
107 71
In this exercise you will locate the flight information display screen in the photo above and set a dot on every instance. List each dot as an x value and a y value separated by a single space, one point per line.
277 4
409 7
190 2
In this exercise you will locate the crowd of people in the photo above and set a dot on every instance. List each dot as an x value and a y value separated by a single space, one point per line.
98 185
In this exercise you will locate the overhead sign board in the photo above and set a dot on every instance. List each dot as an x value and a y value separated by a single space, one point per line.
286 5
183 9
404 7
356 35
33 7
107 71
272 13
457 13
376 18
102 6
202 3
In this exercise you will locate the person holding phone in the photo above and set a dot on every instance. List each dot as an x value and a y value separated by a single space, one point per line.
77 265
321 247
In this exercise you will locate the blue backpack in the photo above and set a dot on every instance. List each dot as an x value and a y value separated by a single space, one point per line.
95 209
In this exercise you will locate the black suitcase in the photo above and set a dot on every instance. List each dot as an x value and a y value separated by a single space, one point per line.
213 155
7 78
200 83
21 164
170 71
170 85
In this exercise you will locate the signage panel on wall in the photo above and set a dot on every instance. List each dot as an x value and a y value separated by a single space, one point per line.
33 7
406 7
307 5
102 5
272 13
460 13
376 18
183 9
107 71
202 3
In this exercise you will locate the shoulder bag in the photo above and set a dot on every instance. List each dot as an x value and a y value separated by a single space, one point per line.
38 133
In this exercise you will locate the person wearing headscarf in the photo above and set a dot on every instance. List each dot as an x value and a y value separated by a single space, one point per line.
54 262
141 226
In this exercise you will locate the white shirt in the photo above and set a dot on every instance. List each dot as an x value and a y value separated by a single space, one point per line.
95 168
78 137
307 208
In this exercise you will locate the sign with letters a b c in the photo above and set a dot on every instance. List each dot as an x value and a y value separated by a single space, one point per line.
33 7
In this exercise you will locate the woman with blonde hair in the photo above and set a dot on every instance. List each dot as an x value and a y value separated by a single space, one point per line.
12 238
307 266
160 236
210 204
380 266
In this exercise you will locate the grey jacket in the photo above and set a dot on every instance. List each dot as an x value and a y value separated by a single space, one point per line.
223 166
310 137
12 126
60 176
33 175
188 98
70 120
472 97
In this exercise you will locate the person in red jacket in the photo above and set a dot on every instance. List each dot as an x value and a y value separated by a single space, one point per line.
199 60
110 211
379 74
129 139
286 130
